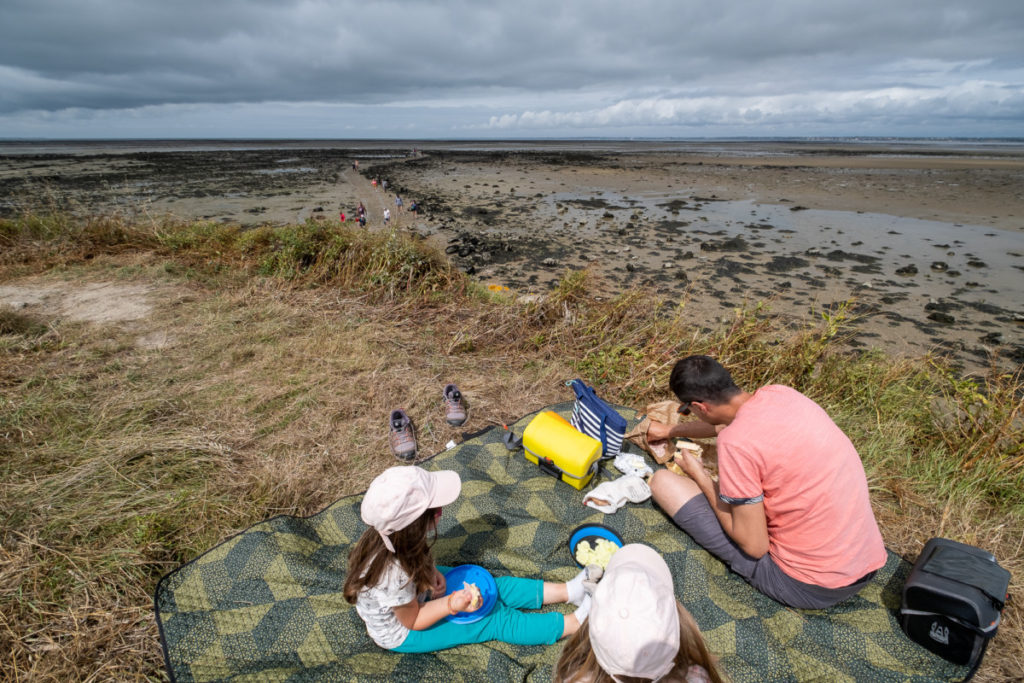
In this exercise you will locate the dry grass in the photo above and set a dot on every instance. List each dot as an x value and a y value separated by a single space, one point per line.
118 462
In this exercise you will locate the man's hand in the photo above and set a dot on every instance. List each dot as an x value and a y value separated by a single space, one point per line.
690 465
658 431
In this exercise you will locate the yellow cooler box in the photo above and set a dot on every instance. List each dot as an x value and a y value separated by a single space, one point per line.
559 449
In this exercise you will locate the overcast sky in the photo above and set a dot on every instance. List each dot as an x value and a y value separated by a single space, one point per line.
510 69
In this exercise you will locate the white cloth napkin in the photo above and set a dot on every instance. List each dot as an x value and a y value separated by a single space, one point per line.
614 494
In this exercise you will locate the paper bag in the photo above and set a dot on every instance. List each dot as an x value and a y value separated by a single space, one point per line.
665 412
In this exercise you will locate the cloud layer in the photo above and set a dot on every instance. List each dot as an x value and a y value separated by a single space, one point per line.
422 68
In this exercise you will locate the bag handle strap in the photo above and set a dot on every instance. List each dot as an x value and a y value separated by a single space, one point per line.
510 440
581 389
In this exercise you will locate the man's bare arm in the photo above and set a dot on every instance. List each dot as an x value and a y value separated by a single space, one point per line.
746 524
685 430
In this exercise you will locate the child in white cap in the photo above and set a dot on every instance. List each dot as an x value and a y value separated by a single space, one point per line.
637 630
401 595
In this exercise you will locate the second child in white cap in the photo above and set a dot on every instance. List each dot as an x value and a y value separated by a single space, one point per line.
392 579
637 630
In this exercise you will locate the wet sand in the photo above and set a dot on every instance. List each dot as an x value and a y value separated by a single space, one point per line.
928 240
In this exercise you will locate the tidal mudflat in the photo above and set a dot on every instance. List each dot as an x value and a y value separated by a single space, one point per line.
926 240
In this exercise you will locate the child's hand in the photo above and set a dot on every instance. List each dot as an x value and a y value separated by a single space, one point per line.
466 599
438 586
460 600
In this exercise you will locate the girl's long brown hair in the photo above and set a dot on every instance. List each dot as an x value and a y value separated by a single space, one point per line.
369 557
578 662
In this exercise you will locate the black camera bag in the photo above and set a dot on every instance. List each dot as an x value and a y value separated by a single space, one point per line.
953 601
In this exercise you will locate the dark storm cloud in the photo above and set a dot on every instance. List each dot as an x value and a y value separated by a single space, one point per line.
567 64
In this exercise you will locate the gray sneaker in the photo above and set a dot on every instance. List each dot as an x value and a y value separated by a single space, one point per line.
454 410
401 436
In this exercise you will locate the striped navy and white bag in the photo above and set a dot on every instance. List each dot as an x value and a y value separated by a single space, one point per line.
595 418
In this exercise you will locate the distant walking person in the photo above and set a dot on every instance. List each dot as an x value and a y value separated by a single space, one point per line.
387 216
398 203
384 185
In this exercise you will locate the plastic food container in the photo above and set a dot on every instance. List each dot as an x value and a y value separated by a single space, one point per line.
591 533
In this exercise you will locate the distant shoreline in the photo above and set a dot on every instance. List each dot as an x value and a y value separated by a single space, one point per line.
730 146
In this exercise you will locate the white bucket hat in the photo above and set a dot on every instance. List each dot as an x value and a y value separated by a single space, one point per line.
634 625
400 495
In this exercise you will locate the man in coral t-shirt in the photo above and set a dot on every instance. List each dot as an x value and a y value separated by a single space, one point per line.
791 512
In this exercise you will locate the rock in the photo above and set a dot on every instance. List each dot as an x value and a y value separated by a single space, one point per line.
907 270
549 262
944 306
940 317
977 263
682 276
940 266
630 267
840 255
736 243
992 338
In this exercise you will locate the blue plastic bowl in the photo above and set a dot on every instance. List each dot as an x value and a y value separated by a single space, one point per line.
590 533
475 574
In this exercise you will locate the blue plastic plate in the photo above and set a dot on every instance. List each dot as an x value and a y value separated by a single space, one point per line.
472 573
590 533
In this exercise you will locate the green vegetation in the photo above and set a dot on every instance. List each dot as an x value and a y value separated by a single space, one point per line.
281 351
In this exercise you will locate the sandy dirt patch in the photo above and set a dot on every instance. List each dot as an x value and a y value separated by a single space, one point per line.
97 302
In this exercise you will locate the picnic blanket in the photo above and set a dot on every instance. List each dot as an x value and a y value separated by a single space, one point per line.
266 604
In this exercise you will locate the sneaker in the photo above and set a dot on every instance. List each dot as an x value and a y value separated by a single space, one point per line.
454 410
401 436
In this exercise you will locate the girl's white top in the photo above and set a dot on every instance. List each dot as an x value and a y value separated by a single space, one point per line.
375 604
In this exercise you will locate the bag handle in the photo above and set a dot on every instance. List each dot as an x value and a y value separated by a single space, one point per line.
581 389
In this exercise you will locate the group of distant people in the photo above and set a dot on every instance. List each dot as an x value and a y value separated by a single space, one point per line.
382 183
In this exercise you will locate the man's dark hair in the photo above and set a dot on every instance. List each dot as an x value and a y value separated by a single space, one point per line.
702 378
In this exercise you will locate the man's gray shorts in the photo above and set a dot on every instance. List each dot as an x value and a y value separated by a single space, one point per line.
698 520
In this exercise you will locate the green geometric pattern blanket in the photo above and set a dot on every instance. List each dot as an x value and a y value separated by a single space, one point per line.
266 604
